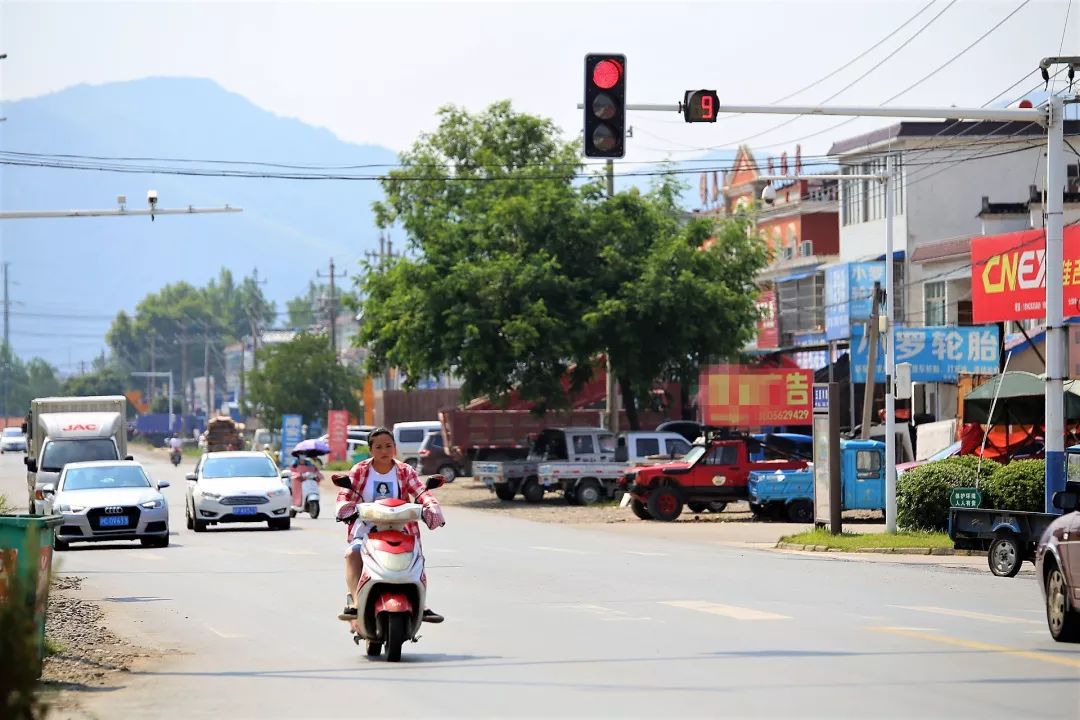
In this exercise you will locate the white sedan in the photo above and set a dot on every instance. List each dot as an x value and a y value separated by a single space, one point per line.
12 440
236 487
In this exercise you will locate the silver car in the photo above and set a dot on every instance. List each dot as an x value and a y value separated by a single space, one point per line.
108 500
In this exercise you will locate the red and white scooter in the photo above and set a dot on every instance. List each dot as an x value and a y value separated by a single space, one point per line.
392 588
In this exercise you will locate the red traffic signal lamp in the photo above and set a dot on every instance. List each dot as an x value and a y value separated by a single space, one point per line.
700 106
605 105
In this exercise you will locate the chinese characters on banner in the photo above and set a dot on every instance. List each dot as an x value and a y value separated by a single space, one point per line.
1008 275
768 334
338 428
735 396
936 354
849 292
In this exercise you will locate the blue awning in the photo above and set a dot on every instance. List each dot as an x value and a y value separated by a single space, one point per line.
796 276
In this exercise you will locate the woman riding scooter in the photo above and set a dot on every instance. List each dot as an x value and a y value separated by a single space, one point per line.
381 476
301 465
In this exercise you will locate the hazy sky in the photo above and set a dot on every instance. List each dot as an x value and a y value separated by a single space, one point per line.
376 72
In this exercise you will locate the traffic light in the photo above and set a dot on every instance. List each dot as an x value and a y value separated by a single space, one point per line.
605 106
700 105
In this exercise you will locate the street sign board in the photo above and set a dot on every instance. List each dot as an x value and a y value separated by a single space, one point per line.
821 398
965 498
739 396
338 426
291 434
936 354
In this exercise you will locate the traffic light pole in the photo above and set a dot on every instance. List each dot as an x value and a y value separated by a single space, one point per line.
1052 118
612 386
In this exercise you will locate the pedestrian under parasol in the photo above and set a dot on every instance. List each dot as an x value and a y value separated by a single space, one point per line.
1021 400
311 448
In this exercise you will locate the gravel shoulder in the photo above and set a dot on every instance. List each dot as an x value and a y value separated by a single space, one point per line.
89 658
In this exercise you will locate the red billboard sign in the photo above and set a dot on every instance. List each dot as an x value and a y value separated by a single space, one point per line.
768 333
736 396
1009 273
338 429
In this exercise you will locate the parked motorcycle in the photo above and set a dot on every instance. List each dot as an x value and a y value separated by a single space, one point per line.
391 592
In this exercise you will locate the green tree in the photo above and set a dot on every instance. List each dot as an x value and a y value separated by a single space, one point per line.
303 309
302 377
516 274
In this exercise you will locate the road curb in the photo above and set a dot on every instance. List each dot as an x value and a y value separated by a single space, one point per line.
884 551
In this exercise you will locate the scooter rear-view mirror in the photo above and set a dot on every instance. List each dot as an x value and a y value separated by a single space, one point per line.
342 481
434 481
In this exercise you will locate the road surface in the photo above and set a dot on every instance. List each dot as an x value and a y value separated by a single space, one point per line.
547 620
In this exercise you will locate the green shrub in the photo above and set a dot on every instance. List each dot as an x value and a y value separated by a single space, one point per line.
338 466
1020 485
922 493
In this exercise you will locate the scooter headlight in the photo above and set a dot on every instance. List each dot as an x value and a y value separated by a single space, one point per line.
394 562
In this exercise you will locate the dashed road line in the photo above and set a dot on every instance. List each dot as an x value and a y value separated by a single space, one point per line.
731 611
647 554
968 614
545 548
1050 658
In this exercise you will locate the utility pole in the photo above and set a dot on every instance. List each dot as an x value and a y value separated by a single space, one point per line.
8 356
612 404
206 368
151 376
332 305
872 335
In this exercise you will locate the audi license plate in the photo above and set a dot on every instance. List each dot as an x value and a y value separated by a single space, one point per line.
114 521
245 510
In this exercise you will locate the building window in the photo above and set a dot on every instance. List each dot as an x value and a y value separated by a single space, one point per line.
934 303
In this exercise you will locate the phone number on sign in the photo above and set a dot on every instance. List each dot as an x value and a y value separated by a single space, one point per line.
800 414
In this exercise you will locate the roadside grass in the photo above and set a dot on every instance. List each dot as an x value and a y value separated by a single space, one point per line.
53 646
4 507
338 466
853 541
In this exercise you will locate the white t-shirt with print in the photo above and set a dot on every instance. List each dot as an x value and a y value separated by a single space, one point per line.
379 486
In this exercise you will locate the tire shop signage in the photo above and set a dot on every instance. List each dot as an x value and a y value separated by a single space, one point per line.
737 396
1009 273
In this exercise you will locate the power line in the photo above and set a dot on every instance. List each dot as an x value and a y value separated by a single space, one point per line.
910 87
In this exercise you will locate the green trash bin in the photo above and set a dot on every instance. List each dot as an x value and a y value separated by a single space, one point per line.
26 550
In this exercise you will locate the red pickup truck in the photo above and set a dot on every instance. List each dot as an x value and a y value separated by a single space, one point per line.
710 475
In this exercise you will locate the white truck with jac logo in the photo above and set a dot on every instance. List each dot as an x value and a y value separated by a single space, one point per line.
60 430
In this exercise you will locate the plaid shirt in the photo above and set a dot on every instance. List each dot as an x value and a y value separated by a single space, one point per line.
408 482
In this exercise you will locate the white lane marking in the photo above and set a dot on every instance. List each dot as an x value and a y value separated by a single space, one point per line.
647 554
606 614
227 636
968 614
545 548
731 611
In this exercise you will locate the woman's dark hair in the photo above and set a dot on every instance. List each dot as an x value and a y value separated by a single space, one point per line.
380 431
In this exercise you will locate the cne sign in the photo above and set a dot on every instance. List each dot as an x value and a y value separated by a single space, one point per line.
1009 273
737 396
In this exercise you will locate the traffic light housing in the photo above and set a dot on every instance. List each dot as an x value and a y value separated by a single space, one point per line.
605 105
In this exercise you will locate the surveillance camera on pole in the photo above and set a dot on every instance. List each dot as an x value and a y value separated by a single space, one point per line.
151 198
768 195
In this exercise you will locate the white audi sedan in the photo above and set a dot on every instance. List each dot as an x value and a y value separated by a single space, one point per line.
236 487
108 500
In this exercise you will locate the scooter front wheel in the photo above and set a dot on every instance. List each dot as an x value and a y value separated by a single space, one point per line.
395 636
374 649
313 509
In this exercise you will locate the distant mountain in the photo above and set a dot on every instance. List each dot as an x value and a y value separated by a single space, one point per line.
289 229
